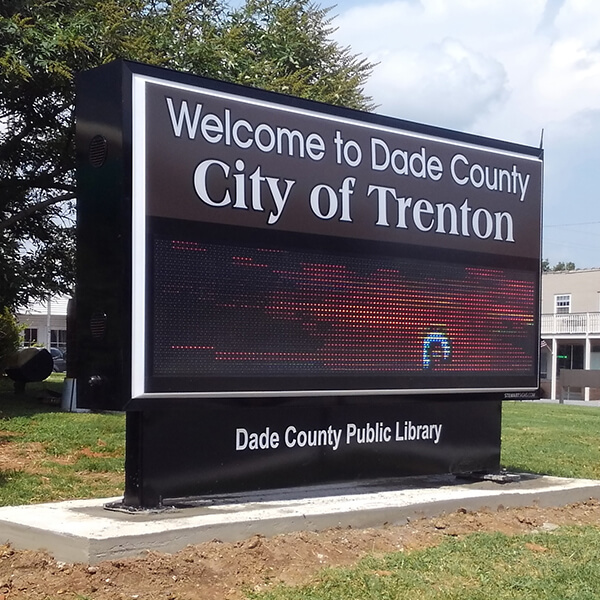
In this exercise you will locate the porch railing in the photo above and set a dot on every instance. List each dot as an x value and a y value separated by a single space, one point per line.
575 323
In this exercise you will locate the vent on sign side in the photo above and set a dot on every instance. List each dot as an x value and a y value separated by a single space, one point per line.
98 150
98 325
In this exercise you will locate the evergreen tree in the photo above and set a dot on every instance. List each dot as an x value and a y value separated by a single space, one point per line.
281 45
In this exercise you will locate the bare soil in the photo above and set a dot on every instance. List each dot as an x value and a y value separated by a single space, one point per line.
33 458
224 571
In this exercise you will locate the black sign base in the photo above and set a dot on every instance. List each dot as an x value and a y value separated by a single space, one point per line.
194 451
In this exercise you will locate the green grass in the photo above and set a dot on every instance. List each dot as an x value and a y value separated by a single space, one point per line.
550 566
61 455
551 439
63 433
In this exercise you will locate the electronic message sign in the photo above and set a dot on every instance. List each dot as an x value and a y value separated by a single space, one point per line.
280 247
283 293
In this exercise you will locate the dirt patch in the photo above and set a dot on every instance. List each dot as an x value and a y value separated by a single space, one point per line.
34 459
222 571
20 456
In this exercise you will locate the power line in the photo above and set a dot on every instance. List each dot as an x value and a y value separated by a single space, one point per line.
573 224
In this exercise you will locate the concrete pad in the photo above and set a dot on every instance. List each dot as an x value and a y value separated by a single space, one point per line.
85 531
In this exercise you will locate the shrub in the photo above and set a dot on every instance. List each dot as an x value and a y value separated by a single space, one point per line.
10 336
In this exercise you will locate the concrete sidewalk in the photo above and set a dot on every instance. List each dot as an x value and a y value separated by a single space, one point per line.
85 531
595 403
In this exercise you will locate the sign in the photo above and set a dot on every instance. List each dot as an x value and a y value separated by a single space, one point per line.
212 156
217 450
281 292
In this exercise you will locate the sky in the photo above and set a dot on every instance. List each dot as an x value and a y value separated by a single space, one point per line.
505 69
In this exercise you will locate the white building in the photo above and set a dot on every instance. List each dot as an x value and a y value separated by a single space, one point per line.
570 328
45 323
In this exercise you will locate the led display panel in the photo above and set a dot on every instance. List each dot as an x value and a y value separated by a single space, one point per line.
234 316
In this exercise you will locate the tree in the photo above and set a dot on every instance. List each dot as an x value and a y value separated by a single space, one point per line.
561 266
282 45
287 47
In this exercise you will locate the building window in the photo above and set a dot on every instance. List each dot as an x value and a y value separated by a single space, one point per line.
30 337
562 304
58 339
570 356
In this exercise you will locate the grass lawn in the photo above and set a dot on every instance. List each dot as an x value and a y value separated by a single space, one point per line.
551 439
561 565
47 454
